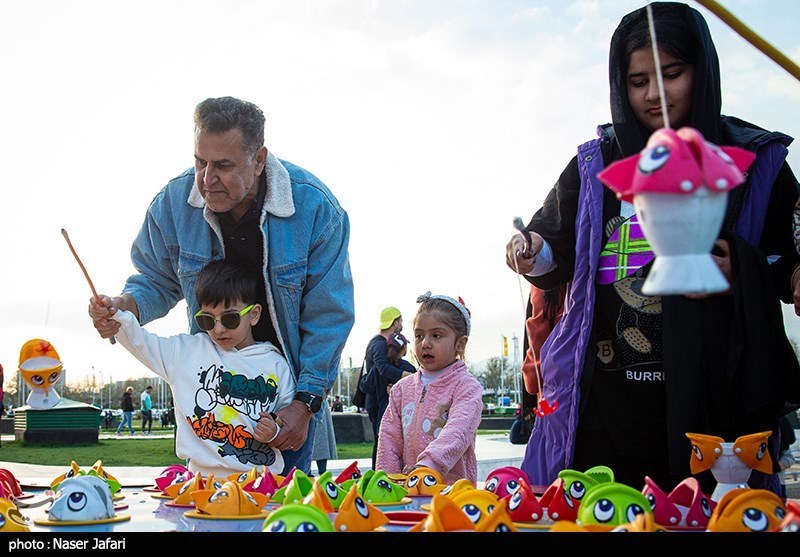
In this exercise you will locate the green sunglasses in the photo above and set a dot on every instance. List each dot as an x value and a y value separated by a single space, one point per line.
229 319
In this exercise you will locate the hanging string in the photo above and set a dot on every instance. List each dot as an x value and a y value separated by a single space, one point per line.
542 407
659 78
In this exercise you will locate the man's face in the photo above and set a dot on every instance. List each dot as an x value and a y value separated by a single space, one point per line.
226 176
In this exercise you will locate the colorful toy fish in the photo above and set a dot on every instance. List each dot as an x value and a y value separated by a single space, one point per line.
678 185
477 504
11 520
358 515
610 504
504 481
730 463
445 516
747 510
229 500
295 490
377 488
82 498
266 483
40 367
296 517
523 506
424 481
686 506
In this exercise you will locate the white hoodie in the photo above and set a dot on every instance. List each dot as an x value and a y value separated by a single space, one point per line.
218 395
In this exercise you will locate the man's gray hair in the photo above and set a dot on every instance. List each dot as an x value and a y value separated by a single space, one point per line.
220 115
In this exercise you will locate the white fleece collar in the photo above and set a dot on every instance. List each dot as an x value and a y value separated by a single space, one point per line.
278 200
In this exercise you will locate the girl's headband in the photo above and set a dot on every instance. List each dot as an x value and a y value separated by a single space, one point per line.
459 304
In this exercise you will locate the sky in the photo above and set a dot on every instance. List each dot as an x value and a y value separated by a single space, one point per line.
434 122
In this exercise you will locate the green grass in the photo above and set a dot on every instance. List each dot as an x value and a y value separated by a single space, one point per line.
139 451
124 452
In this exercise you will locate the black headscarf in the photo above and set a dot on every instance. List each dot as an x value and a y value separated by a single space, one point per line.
683 32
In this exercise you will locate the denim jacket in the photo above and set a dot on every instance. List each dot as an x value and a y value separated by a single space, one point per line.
307 271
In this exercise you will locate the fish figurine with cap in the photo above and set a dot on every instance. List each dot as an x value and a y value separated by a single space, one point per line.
678 185
40 367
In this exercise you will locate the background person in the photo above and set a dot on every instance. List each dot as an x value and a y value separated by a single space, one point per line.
146 410
648 369
226 405
240 202
126 403
433 415
380 372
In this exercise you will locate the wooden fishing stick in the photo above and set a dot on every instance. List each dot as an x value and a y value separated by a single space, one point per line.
752 37
86 274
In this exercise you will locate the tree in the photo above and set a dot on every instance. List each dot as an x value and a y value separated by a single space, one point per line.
490 374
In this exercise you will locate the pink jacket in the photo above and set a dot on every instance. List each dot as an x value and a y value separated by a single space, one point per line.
433 426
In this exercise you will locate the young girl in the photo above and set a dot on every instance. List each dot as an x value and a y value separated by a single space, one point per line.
433 416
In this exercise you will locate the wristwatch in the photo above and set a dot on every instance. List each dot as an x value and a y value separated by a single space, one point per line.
312 402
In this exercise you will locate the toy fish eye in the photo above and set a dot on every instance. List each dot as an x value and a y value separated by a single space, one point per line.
217 485
472 512
384 484
652 499
54 376
306 527
653 159
37 380
447 489
515 500
277 526
77 501
218 495
412 481
632 511
512 486
361 507
492 484
330 490
705 507
755 520
762 450
242 477
780 513
604 511
577 490
355 476
429 480
502 528
697 452
70 474
250 498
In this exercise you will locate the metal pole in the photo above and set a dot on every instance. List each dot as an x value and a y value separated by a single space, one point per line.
502 370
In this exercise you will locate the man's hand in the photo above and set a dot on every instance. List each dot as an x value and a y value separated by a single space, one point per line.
295 419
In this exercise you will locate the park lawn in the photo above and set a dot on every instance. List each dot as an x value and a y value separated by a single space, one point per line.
124 451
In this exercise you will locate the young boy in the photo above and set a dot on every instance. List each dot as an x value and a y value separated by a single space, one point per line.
225 384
